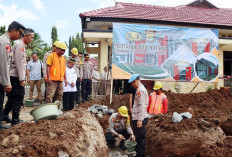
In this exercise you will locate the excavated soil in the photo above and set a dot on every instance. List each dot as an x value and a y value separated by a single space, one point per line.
208 133
76 134
211 111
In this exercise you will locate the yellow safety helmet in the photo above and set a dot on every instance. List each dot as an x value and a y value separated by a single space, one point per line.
56 43
157 85
62 46
123 111
74 51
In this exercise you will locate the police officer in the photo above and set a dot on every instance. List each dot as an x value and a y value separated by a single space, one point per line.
75 55
86 78
139 114
119 126
17 77
14 32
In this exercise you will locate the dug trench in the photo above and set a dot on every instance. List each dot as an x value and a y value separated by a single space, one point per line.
78 133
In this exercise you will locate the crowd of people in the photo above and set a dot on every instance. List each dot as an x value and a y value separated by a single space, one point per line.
70 81
65 79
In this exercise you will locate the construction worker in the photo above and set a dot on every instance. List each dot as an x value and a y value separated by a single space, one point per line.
56 66
54 49
86 78
139 114
158 102
14 32
75 55
17 77
119 126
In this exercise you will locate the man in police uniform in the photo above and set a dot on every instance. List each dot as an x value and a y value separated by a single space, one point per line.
86 72
139 114
119 126
17 77
14 32
75 55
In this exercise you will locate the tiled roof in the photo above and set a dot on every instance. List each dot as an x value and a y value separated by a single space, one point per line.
180 14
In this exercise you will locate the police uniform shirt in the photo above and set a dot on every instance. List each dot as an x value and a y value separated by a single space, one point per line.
139 111
18 63
117 124
45 63
86 69
5 53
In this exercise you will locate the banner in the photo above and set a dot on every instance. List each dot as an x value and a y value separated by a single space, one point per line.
165 53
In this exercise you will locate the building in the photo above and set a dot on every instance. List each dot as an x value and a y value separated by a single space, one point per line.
97 29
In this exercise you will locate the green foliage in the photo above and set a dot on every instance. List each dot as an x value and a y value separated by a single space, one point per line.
2 30
54 34
77 42
38 46
209 88
177 88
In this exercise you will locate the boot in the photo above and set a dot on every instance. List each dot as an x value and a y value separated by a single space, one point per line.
6 119
121 145
16 121
3 126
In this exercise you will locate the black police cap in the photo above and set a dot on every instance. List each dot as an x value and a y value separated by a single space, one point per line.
18 26
72 60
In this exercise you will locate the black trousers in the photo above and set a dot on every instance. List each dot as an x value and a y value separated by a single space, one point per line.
110 138
140 135
15 99
68 101
86 88
78 91
2 95
117 86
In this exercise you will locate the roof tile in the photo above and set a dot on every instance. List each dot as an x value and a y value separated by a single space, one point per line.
183 14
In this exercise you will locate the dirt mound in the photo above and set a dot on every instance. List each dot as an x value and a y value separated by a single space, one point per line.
227 126
210 109
222 148
212 104
77 133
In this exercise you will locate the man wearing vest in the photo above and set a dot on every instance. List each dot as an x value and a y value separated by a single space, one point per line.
14 32
158 102
45 58
119 126
139 114
56 66
86 72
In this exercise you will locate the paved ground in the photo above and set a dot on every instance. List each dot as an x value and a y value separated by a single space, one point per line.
27 88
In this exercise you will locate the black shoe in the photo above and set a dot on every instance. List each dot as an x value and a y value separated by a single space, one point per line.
6 119
121 145
87 99
17 121
4 127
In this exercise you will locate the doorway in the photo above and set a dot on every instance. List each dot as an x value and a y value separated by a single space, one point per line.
227 63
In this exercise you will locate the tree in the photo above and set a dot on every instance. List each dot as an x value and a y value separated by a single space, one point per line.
77 42
2 30
54 34
38 46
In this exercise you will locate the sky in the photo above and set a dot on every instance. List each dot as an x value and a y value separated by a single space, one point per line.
42 15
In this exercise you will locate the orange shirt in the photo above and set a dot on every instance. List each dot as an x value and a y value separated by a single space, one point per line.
57 67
